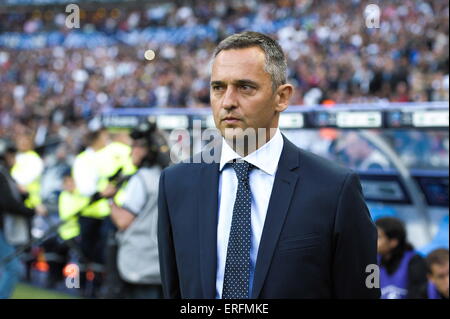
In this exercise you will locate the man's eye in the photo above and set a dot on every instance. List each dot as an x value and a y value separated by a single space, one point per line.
246 87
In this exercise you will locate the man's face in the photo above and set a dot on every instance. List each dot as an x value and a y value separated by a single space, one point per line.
241 91
439 277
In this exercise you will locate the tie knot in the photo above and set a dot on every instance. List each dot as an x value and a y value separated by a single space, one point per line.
242 170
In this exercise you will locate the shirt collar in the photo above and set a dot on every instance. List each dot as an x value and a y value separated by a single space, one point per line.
265 158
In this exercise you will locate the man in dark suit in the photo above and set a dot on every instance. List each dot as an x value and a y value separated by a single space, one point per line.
265 219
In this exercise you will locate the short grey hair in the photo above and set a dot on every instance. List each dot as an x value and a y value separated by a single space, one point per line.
275 61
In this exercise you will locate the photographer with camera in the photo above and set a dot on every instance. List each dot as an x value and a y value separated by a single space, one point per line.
136 219
13 221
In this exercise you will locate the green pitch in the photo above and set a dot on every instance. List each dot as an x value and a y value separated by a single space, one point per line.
24 291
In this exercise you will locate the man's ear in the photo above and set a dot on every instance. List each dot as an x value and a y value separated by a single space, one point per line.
283 95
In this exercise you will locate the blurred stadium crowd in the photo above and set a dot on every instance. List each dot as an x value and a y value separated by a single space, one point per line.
50 91
54 80
331 55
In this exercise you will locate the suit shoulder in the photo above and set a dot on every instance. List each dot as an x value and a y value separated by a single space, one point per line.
178 169
323 166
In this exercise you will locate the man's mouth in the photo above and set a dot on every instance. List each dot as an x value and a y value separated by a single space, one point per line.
230 119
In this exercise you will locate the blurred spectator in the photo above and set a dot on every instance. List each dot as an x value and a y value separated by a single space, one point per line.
438 276
136 219
67 244
13 222
402 270
27 170
93 187
329 53
437 264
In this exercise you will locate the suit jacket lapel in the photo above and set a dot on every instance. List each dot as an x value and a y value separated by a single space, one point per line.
207 222
280 199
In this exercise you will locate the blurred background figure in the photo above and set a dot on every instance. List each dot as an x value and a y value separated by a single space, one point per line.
402 270
119 150
70 203
64 246
91 181
27 170
438 276
136 218
437 286
14 217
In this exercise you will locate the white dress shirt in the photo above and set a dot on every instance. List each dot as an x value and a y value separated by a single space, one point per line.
261 178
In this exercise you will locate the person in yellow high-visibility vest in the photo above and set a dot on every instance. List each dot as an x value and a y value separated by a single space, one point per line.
60 249
70 202
28 170
117 155
13 218
118 151
90 178
116 161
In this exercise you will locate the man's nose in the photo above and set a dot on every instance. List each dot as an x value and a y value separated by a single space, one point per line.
230 98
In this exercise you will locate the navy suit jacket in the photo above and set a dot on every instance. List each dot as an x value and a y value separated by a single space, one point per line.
318 237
